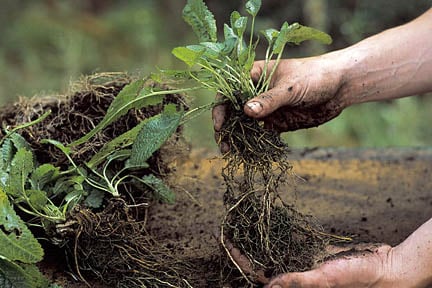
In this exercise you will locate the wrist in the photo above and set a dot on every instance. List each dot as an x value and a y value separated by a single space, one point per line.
343 63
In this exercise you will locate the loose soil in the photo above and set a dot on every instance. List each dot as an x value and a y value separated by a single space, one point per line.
371 195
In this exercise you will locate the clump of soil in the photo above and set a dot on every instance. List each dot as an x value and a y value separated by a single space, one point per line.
272 235
75 114
111 242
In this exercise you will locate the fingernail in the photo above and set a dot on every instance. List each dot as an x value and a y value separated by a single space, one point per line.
256 107
276 286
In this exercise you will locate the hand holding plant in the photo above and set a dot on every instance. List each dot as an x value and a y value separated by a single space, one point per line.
303 93
258 223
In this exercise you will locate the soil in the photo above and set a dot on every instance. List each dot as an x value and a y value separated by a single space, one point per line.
372 195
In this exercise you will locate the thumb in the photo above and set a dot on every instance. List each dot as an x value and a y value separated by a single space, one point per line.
267 102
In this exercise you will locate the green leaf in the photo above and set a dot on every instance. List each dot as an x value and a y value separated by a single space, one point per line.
162 192
66 150
95 198
153 134
17 243
37 198
19 141
240 26
270 34
6 154
282 38
229 32
302 33
296 33
55 212
235 15
21 167
253 6
202 21
124 140
120 155
64 185
74 196
213 50
134 95
249 61
190 54
43 175
230 40
13 275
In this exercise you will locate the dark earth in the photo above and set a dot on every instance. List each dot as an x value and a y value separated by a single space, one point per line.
371 195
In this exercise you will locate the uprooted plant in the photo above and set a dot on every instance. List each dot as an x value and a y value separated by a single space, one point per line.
272 235
89 189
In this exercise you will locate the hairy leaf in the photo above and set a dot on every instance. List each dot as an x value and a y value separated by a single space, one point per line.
235 15
153 134
17 243
230 42
95 198
240 26
134 95
161 191
202 21
13 275
21 167
6 154
253 6
19 141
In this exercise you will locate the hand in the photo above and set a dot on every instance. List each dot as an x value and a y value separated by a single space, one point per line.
303 93
359 267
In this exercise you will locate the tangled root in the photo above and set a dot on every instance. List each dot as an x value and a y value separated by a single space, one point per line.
116 247
273 235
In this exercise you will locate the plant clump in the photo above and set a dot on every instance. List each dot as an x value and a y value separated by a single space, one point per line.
85 169
272 235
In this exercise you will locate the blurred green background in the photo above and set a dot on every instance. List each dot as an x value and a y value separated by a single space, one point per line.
46 44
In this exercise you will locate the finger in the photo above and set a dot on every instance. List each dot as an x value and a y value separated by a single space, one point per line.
218 114
266 103
258 68
223 145
244 263
309 279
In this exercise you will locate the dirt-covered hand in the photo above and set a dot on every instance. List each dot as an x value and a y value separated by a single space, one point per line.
354 268
303 93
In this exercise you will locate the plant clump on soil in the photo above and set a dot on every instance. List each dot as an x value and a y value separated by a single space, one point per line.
101 160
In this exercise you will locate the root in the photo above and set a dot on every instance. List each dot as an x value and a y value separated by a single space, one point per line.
116 248
272 235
